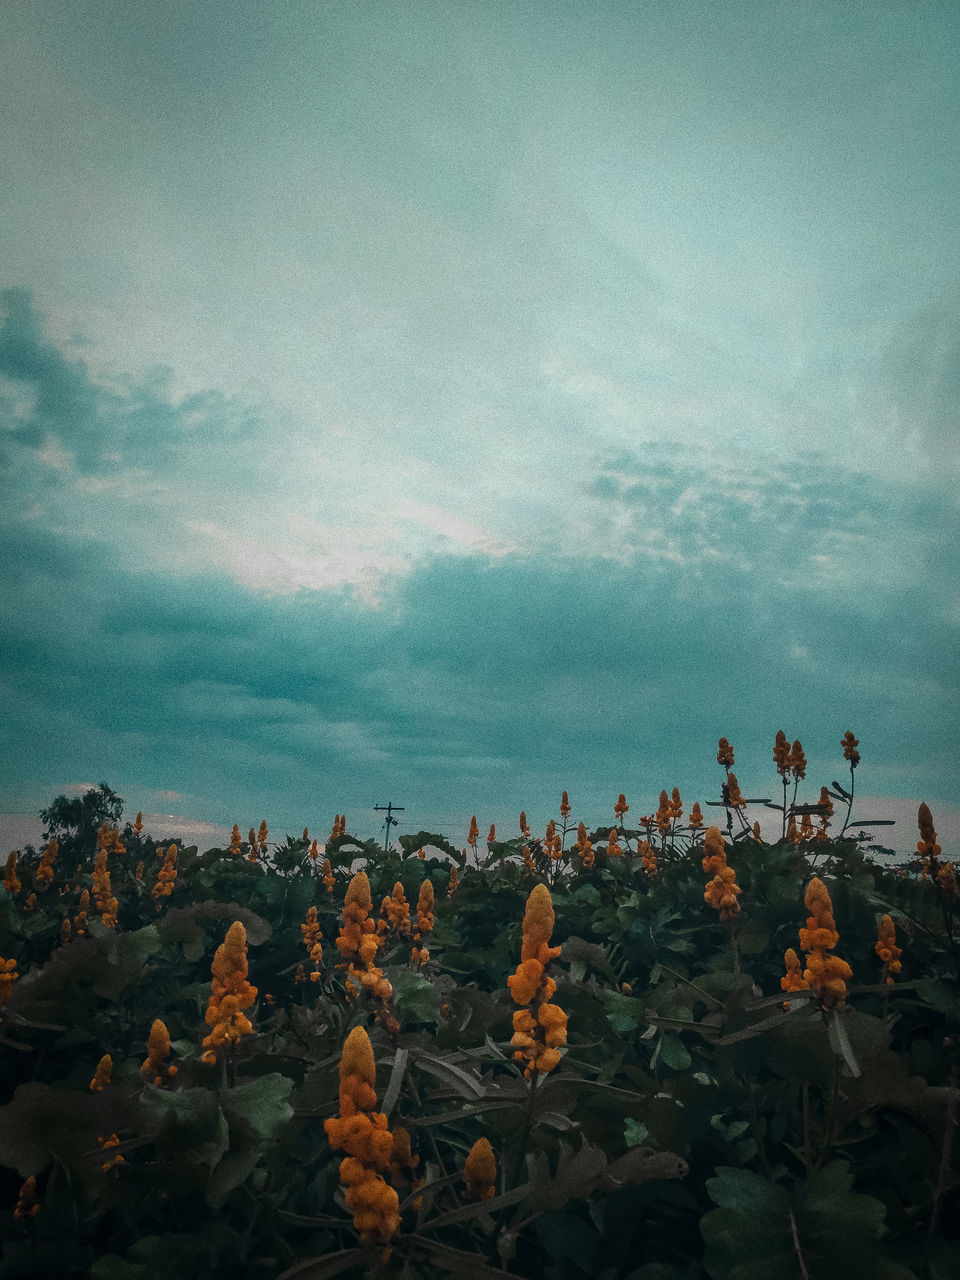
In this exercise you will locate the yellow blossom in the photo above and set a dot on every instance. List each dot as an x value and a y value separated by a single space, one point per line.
480 1171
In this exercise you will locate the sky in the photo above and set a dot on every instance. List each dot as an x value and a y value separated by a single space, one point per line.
450 404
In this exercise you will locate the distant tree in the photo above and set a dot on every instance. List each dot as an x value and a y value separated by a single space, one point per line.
81 817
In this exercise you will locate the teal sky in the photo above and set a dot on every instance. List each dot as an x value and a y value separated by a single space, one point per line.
454 403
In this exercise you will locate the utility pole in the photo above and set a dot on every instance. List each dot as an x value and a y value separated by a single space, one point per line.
390 810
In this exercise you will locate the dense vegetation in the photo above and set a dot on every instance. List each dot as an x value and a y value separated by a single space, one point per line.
741 1063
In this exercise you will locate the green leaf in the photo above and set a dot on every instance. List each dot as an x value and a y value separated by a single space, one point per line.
673 1052
746 1192
263 1103
417 999
466 1085
113 1267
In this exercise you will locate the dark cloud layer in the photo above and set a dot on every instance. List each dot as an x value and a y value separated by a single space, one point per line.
727 596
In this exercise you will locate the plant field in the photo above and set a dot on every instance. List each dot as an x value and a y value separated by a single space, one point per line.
656 1047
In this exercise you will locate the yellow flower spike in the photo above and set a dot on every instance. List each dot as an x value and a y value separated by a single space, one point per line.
474 833
138 825
8 976
492 835
734 796
887 949
44 875
564 805
722 891
798 761
794 979
166 876
236 844
454 884
358 943
524 829
158 1050
850 752
27 1206
725 754
101 1077
262 836
621 807
614 848
695 821
648 858
480 1171
781 754
825 973
311 935
231 993
361 1131
540 1029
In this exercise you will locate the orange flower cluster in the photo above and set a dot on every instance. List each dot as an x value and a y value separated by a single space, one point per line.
524 829
44 876
794 979
540 1028
158 1050
564 805
528 865
887 949
722 890
358 943
732 794
725 754
492 834
584 847
850 752
480 1171
454 883
664 814
825 973
798 761
106 904
614 848
8 976
101 1077
138 825
27 1206
695 821
252 842
108 838
361 1131
781 755
80 919
31 903
648 858
107 1144
927 846
403 1163
314 850
10 882
395 913
231 993
419 954
262 835
474 833
339 827
166 876
311 935
827 805
552 842
621 807
236 843
138 871
328 877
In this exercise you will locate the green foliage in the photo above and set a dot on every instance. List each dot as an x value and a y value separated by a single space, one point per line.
695 1129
